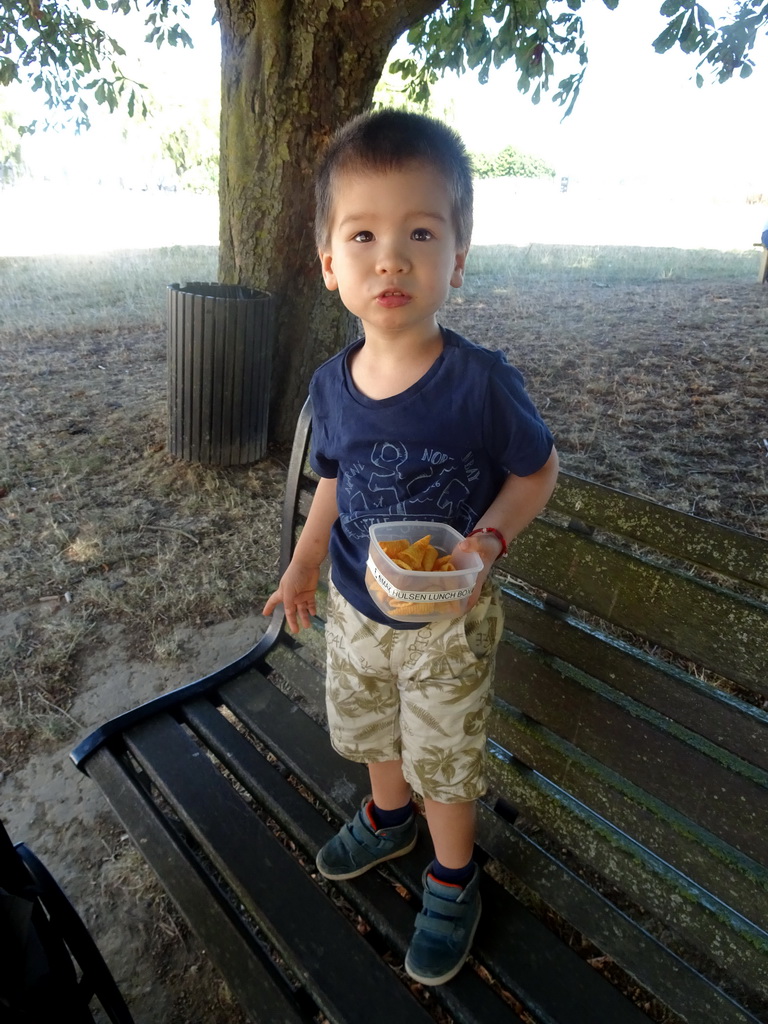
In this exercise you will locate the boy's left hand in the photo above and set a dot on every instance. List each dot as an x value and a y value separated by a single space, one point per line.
488 547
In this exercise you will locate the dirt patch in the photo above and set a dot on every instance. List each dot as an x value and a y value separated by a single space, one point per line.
128 573
657 389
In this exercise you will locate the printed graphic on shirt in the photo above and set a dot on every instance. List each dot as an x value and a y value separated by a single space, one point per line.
394 484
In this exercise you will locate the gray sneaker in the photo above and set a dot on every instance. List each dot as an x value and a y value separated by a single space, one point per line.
359 845
445 929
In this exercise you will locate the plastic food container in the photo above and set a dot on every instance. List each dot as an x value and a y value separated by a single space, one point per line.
418 595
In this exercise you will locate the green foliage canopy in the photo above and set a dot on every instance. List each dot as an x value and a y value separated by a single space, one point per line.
67 54
540 36
64 51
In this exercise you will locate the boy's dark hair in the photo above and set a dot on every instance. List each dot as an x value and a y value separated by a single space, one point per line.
385 140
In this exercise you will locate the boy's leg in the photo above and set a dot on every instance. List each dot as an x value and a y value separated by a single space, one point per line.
363 718
452 828
445 704
450 910
388 786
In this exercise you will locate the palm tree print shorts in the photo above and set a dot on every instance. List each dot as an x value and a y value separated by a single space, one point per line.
417 695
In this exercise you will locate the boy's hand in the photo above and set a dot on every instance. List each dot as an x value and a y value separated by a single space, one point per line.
488 547
296 593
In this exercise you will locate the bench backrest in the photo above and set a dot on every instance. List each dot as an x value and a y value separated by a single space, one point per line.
629 739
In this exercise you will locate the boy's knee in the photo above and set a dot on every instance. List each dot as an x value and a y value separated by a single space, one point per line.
446 777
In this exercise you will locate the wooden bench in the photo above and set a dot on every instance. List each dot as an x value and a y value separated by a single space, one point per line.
625 837
762 274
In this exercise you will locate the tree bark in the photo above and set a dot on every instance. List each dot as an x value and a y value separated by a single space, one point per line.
292 72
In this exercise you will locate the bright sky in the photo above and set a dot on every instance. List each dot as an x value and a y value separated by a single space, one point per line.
639 115
640 121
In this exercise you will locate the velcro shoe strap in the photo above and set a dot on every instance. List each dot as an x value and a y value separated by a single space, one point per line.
354 836
445 908
436 925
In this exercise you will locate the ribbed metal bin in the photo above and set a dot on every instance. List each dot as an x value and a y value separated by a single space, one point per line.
219 367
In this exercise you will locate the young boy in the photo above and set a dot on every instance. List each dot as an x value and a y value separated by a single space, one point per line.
410 422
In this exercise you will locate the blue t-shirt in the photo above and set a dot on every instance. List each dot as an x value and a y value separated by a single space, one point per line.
438 451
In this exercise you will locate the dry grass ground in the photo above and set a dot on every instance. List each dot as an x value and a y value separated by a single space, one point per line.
651 366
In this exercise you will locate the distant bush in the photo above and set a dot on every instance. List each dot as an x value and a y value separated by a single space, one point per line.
10 148
191 146
510 163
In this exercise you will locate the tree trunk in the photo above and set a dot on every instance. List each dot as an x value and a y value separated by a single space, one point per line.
292 72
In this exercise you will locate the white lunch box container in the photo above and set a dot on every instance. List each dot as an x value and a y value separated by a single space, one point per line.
417 595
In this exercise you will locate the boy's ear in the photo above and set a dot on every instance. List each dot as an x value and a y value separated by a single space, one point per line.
457 277
326 265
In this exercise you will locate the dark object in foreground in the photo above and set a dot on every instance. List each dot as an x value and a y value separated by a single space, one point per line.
626 819
51 968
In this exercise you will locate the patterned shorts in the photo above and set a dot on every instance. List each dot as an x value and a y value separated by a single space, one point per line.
417 695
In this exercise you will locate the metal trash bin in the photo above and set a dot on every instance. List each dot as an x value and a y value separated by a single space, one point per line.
219 368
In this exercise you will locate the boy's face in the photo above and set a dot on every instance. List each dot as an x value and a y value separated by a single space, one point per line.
392 251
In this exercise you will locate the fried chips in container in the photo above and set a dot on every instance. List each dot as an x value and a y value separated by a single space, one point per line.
414 573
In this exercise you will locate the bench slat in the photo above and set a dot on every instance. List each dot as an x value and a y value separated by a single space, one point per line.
719 717
718 630
711 787
637 952
699 855
321 945
305 676
678 534
729 939
252 977
262 780
548 977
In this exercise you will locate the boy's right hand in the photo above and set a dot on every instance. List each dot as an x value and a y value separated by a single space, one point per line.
296 593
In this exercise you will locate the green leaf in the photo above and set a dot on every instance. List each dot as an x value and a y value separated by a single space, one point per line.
689 37
8 72
704 17
667 39
414 35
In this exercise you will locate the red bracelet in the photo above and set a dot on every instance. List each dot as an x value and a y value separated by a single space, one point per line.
497 534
